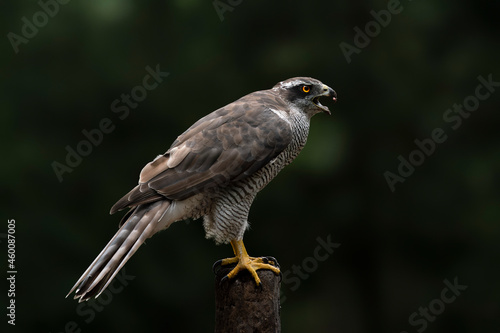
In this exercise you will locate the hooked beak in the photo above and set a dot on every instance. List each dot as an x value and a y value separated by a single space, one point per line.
327 92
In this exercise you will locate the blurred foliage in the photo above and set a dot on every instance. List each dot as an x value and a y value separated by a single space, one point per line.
397 248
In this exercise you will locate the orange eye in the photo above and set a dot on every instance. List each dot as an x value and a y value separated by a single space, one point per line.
306 89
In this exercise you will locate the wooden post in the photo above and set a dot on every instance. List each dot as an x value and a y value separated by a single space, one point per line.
242 306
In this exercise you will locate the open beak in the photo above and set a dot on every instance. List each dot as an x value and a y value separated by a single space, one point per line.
327 92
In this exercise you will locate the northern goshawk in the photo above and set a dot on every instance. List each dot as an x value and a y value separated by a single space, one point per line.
213 170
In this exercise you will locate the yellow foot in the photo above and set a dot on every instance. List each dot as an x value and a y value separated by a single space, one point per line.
244 261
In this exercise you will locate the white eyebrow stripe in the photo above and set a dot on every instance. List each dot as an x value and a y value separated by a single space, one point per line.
291 83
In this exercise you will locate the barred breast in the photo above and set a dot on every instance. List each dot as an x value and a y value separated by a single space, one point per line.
228 217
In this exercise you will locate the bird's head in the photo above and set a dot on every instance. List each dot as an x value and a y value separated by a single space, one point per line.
305 93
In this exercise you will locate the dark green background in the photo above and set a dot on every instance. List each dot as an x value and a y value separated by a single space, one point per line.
396 248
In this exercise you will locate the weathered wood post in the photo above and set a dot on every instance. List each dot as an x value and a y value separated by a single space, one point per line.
241 306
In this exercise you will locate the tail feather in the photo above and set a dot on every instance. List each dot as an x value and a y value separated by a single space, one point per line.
141 225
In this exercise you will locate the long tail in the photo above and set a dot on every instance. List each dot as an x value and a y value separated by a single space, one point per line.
141 225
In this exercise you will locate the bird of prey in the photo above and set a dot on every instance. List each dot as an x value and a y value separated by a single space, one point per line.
213 170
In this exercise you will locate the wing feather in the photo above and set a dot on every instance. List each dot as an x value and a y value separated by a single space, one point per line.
227 145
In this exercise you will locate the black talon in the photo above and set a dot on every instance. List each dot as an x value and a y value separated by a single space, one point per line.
273 261
214 266
225 278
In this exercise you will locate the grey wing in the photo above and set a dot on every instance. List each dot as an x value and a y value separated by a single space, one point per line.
223 147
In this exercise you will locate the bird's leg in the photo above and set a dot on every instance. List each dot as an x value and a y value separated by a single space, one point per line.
244 261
